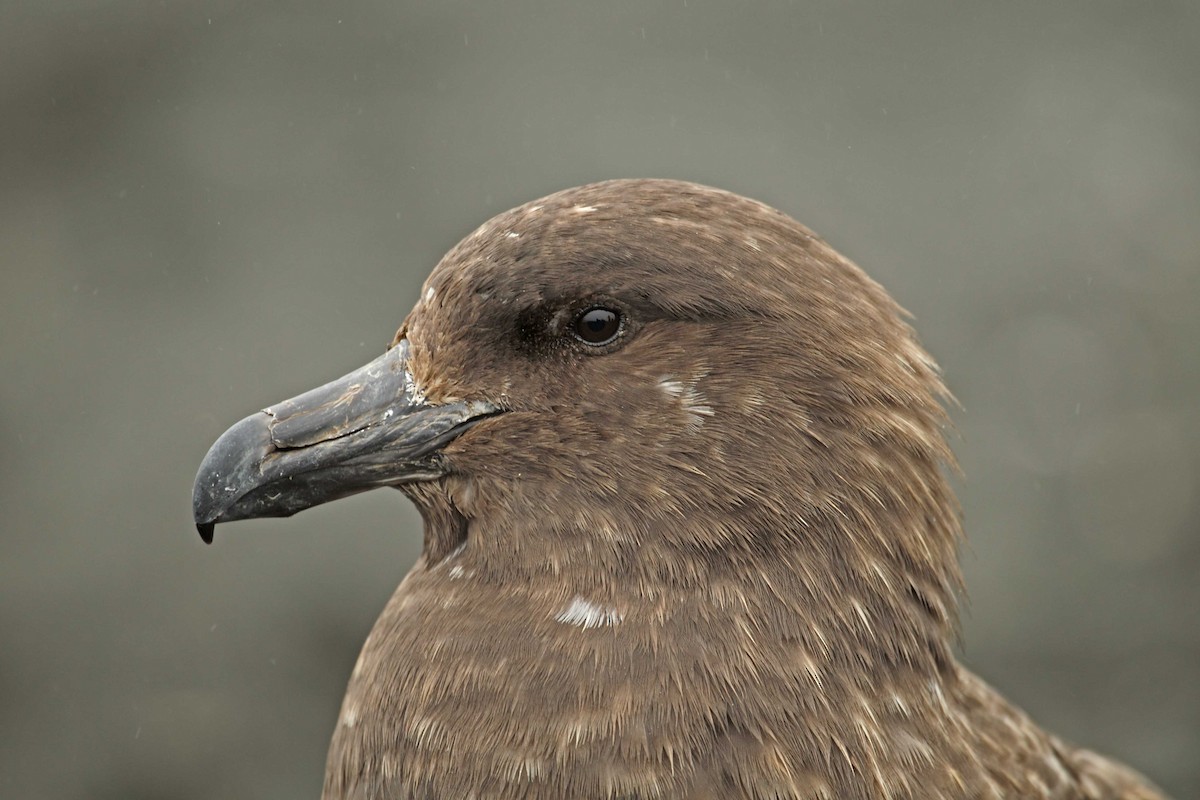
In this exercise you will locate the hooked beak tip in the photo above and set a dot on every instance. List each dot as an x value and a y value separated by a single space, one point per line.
330 442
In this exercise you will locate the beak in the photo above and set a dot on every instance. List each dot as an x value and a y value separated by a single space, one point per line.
367 429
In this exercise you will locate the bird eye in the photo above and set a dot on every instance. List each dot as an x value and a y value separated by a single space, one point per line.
597 326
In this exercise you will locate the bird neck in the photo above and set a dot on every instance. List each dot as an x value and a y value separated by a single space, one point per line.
837 589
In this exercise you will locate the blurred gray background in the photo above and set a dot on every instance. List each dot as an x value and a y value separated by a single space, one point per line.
208 206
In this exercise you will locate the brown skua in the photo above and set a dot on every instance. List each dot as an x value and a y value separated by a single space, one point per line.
688 532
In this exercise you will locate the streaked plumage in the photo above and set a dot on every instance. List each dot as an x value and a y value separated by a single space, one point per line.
714 559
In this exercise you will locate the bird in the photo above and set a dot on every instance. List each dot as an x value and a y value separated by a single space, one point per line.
689 528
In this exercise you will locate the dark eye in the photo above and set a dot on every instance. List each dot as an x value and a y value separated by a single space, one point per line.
597 326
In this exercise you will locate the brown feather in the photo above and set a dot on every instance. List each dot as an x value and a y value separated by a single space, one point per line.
719 561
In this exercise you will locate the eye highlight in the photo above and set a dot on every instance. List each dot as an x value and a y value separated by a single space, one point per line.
597 326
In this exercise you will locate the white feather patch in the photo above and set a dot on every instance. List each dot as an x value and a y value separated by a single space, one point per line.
586 615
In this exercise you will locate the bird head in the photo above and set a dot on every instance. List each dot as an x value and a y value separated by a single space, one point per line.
638 377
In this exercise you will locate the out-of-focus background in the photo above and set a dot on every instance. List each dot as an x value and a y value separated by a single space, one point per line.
209 205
